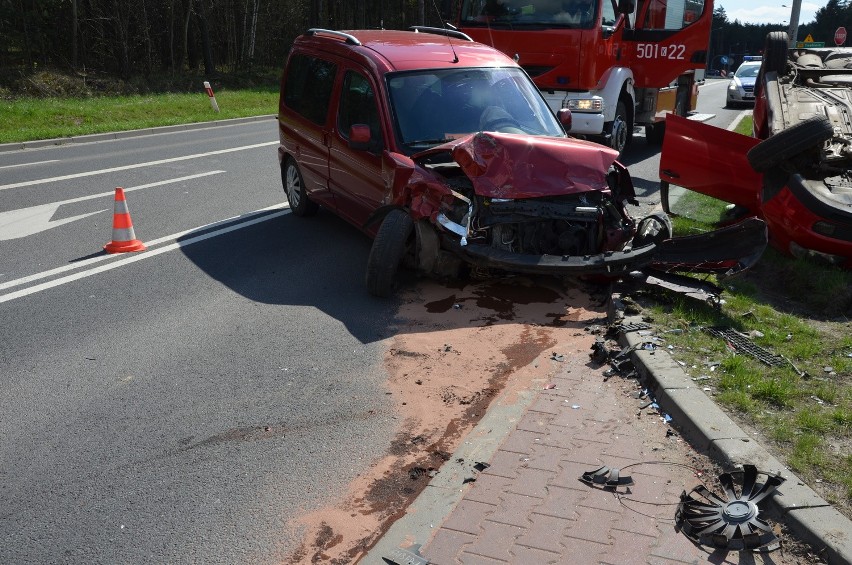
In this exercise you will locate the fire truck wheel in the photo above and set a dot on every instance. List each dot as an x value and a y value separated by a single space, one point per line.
775 52
621 128
795 140
654 133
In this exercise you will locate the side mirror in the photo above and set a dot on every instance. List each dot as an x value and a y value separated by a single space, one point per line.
359 137
564 117
626 7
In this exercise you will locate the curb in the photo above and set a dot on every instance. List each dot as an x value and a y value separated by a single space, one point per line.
440 497
110 136
707 428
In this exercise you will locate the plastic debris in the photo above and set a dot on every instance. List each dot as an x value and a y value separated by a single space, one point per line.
557 357
575 406
410 556
480 466
457 306
550 386
606 477
731 521
740 343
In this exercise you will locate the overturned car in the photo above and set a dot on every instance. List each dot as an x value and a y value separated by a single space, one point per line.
445 152
796 172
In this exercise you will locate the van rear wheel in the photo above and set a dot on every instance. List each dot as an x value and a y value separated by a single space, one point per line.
294 187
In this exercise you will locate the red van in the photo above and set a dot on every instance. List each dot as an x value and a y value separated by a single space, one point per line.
445 152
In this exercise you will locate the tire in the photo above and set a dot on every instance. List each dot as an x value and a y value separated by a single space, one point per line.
807 134
392 242
621 128
654 133
775 52
294 187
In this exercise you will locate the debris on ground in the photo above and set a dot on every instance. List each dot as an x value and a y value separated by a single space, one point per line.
606 477
731 521
405 556
741 343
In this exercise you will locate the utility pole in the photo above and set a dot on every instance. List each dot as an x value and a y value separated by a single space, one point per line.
793 30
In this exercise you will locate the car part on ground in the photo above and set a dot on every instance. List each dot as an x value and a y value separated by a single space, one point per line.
730 521
606 477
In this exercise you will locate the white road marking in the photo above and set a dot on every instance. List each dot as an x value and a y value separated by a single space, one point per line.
251 219
23 222
134 166
29 221
29 164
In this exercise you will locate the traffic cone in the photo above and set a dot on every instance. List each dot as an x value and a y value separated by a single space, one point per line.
123 236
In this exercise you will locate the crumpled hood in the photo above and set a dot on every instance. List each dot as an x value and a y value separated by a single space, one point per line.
505 165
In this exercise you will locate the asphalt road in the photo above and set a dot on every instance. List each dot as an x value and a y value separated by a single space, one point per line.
183 404
179 405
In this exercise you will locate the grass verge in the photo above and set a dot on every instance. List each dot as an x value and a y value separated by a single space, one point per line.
797 309
26 119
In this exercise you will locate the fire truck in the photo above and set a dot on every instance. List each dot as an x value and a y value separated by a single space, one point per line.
614 63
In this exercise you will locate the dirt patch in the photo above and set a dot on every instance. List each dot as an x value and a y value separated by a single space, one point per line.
455 351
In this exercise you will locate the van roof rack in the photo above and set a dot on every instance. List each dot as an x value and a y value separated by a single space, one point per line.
442 31
350 39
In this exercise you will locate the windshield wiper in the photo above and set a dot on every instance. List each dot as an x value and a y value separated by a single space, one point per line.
428 141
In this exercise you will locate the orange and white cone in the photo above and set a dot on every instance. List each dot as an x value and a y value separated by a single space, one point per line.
123 236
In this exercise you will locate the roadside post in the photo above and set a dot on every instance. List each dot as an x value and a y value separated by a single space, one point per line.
209 90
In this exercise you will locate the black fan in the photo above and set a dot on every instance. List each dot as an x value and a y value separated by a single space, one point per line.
732 522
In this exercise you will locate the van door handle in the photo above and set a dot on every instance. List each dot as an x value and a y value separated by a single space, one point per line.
671 174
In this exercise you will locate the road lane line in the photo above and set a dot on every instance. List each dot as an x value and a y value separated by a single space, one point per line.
15 224
29 164
250 218
135 166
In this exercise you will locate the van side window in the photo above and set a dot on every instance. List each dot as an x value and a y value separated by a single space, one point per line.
307 86
358 106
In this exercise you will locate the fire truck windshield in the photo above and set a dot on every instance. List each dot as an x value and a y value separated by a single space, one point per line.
578 14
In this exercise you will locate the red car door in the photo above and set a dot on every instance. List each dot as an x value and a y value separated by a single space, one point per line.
355 176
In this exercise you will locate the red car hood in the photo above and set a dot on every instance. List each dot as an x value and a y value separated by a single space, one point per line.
505 165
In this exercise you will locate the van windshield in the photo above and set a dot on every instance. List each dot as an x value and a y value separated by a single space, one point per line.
433 106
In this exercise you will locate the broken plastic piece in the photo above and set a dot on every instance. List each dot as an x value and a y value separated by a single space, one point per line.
732 522
400 556
606 477
557 357
480 466
741 343
624 328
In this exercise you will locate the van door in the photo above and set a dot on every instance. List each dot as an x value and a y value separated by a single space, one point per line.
305 120
355 174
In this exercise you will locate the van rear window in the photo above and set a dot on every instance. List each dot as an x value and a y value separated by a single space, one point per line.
308 85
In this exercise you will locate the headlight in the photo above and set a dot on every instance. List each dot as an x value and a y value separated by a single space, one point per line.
733 85
585 105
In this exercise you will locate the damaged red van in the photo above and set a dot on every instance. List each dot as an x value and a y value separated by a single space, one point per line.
445 152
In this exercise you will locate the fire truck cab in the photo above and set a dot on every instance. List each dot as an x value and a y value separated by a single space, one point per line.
614 63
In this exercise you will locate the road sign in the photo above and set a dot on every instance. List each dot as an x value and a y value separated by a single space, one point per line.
840 36
809 39
809 45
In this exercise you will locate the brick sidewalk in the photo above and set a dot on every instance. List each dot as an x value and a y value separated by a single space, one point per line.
529 507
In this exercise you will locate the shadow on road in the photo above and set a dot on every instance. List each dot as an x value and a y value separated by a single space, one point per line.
321 262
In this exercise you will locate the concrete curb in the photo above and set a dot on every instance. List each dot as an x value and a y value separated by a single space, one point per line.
110 136
440 497
709 429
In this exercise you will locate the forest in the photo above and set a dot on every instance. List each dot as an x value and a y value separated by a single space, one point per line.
156 38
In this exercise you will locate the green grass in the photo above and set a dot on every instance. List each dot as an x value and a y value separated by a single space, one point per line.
745 126
26 119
